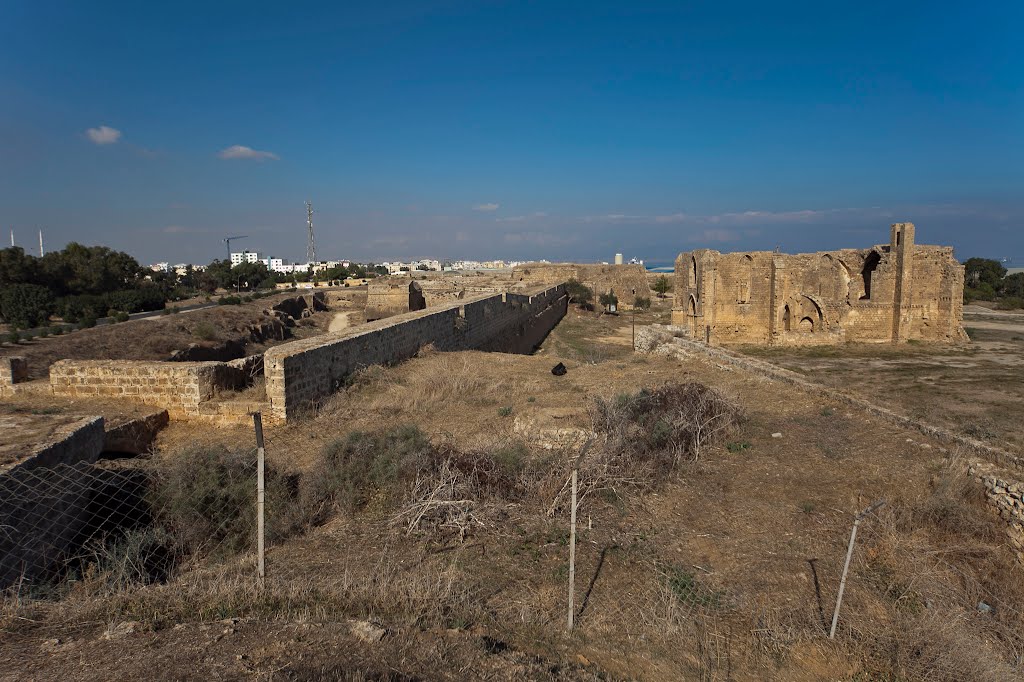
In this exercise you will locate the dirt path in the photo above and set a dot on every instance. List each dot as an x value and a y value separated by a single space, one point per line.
992 324
339 322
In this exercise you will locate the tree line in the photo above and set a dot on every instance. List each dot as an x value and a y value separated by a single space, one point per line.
83 283
986 280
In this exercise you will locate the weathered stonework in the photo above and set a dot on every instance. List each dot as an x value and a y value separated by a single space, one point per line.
894 292
1006 497
302 372
178 387
13 370
627 282
393 296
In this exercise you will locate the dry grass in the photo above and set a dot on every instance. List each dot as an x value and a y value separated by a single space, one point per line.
713 572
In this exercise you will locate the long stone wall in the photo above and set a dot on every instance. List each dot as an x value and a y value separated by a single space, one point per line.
302 372
178 387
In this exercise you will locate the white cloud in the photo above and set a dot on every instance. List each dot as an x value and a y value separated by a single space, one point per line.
103 135
486 208
238 151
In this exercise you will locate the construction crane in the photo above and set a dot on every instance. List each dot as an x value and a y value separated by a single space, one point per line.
228 240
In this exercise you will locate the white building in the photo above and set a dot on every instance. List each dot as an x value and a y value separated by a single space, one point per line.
246 257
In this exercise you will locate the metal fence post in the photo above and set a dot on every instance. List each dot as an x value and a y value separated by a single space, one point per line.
846 566
572 548
257 420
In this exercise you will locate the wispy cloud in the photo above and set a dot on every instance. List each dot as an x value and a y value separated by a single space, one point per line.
181 229
239 151
521 218
103 135
546 239
486 208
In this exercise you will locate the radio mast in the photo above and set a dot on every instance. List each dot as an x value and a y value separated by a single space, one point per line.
311 247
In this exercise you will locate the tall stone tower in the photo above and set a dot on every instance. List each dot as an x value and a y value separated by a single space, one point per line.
901 246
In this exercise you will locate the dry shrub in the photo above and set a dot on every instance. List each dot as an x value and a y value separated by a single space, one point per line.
642 438
426 486
663 425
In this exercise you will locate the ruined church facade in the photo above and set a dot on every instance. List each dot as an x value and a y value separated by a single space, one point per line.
895 292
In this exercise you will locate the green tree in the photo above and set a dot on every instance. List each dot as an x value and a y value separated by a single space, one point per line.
608 300
248 275
978 271
17 267
218 273
26 305
1013 285
579 293
662 286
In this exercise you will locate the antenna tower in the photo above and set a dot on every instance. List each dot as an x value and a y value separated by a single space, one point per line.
41 243
311 247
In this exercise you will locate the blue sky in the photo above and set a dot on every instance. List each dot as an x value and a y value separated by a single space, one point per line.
511 130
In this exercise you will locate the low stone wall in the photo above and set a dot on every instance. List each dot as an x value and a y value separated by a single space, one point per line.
302 372
178 387
1007 500
67 440
656 337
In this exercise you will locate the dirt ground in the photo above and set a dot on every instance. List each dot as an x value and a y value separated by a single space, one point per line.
757 528
976 389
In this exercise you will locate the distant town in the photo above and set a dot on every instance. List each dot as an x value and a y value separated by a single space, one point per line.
285 267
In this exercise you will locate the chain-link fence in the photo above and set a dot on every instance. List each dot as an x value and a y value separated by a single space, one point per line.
127 523
911 607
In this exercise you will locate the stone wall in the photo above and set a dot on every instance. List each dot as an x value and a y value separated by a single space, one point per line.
889 293
626 281
305 371
178 387
393 296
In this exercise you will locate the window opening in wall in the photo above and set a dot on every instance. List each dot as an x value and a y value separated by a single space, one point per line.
693 272
869 267
746 282
786 322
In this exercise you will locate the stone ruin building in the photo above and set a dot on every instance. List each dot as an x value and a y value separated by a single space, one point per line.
895 292
627 282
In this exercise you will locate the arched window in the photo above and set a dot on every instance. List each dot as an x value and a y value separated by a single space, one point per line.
693 272
787 321
870 263
746 279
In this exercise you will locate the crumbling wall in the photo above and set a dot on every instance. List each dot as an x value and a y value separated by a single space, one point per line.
893 292
1006 497
178 387
393 296
302 372
626 281
13 370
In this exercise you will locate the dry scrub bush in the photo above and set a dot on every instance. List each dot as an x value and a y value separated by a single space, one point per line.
666 424
643 437
205 499
424 485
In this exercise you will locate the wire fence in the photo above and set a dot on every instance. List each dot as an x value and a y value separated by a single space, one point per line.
130 523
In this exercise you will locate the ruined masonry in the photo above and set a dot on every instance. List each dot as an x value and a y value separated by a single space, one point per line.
895 292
